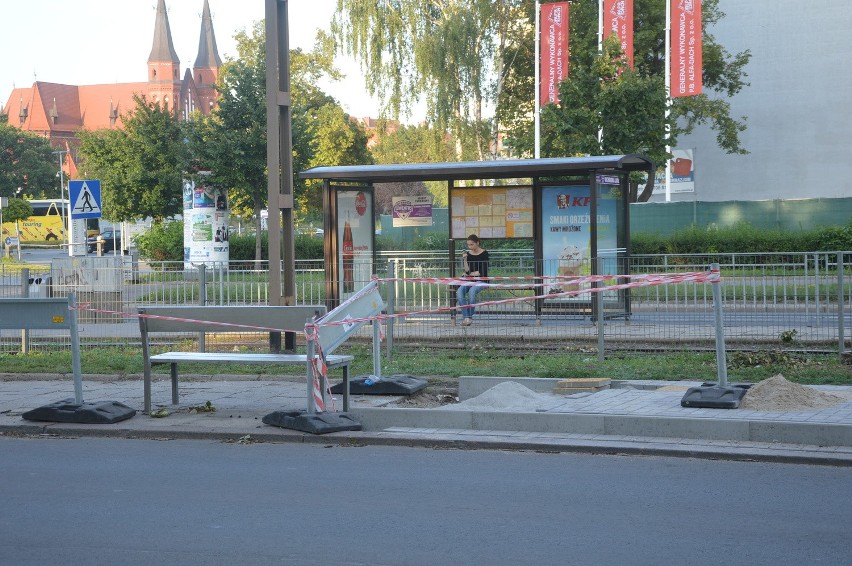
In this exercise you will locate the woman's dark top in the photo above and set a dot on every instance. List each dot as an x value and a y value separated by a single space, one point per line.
478 263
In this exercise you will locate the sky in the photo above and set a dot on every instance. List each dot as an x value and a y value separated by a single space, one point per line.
83 42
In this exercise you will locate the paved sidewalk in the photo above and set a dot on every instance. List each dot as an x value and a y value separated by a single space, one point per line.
634 418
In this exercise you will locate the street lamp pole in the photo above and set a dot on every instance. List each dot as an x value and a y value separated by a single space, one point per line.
61 153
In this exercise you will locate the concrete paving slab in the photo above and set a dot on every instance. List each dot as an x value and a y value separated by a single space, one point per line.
633 419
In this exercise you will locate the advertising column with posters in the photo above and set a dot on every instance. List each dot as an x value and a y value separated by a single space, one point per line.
567 234
354 239
205 225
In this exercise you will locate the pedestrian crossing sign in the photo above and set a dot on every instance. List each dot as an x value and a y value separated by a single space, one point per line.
85 199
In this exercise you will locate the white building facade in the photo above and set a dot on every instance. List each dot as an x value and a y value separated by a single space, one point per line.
798 108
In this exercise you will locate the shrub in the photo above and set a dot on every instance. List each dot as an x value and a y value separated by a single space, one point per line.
241 247
162 242
385 243
308 247
832 238
430 242
647 244
743 238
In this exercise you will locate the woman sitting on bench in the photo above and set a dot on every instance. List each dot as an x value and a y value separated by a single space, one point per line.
475 265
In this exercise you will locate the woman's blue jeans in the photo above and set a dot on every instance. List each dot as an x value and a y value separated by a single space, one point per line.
466 295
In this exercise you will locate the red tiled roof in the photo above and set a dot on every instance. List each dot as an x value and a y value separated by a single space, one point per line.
76 107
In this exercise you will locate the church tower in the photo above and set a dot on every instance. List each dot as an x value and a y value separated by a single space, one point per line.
206 68
164 80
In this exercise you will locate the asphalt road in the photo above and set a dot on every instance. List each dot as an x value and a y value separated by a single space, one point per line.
108 501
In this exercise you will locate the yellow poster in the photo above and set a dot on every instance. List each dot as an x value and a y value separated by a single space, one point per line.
492 212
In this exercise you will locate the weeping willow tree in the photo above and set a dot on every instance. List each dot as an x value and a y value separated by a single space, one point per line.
446 53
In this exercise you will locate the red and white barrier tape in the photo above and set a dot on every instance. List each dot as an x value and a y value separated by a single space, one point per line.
320 370
637 280
86 307
550 279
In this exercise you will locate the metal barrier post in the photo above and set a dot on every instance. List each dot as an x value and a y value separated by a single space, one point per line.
391 300
25 292
222 273
816 289
841 339
310 352
202 300
721 357
377 348
75 348
599 304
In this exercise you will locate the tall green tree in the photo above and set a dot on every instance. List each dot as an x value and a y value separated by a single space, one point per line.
141 167
26 163
627 106
412 144
443 51
231 143
17 209
335 139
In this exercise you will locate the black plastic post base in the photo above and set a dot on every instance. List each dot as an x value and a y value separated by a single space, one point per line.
712 396
393 385
69 411
315 423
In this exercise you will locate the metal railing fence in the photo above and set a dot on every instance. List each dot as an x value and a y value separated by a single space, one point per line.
770 300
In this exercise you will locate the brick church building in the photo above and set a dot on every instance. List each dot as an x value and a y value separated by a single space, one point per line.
59 111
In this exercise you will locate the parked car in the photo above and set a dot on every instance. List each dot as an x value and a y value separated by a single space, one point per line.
108 237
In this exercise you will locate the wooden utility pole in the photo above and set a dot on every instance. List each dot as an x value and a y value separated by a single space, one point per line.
279 158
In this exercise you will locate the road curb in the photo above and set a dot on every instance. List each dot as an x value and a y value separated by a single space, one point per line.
460 440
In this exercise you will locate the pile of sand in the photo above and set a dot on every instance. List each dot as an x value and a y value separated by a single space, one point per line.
778 394
505 396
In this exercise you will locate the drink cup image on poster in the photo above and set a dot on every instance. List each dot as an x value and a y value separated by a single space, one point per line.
355 239
566 237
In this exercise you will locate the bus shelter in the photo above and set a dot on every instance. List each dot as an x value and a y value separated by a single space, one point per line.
574 211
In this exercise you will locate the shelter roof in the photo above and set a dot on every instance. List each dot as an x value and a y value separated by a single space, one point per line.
464 170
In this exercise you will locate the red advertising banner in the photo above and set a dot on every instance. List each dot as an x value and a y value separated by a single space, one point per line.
554 50
618 20
686 48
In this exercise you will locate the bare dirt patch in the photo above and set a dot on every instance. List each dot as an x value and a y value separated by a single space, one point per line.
437 394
